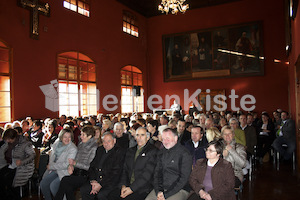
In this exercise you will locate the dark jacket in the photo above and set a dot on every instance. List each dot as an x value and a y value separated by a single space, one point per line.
123 141
222 176
251 138
143 168
184 137
289 130
270 127
198 152
173 170
107 167
36 138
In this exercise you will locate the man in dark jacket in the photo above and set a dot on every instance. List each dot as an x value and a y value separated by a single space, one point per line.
183 134
105 169
286 134
197 144
250 134
122 139
140 161
173 168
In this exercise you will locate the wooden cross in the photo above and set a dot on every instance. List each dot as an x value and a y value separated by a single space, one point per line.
36 7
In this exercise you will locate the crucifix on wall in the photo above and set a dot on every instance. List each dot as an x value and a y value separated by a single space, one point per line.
36 7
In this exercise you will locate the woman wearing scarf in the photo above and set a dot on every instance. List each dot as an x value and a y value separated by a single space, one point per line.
62 150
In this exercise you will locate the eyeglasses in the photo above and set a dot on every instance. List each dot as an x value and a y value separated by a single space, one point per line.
210 151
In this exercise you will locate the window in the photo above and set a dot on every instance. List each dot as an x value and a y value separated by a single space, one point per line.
80 6
77 84
132 94
130 24
5 96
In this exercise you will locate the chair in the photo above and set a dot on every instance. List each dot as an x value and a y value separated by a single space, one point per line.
43 162
277 157
252 166
272 153
29 183
37 157
252 162
238 192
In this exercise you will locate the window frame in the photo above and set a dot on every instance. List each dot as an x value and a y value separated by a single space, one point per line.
130 20
4 46
78 81
131 85
86 3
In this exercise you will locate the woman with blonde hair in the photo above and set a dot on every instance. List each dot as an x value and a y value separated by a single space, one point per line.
106 126
98 135
212 134
172 124
62 150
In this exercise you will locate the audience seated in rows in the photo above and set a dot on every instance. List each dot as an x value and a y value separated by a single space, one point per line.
187 136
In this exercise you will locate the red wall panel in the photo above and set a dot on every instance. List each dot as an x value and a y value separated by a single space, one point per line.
100 37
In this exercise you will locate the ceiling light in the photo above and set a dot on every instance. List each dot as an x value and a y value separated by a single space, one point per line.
173 6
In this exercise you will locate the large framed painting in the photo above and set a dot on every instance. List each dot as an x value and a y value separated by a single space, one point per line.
231 51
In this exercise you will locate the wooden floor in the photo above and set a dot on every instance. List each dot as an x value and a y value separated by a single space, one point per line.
267 184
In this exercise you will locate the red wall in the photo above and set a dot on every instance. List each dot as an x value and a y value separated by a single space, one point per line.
100 37
270 90
295 24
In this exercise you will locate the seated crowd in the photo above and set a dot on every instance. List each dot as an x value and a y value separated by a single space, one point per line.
140 156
